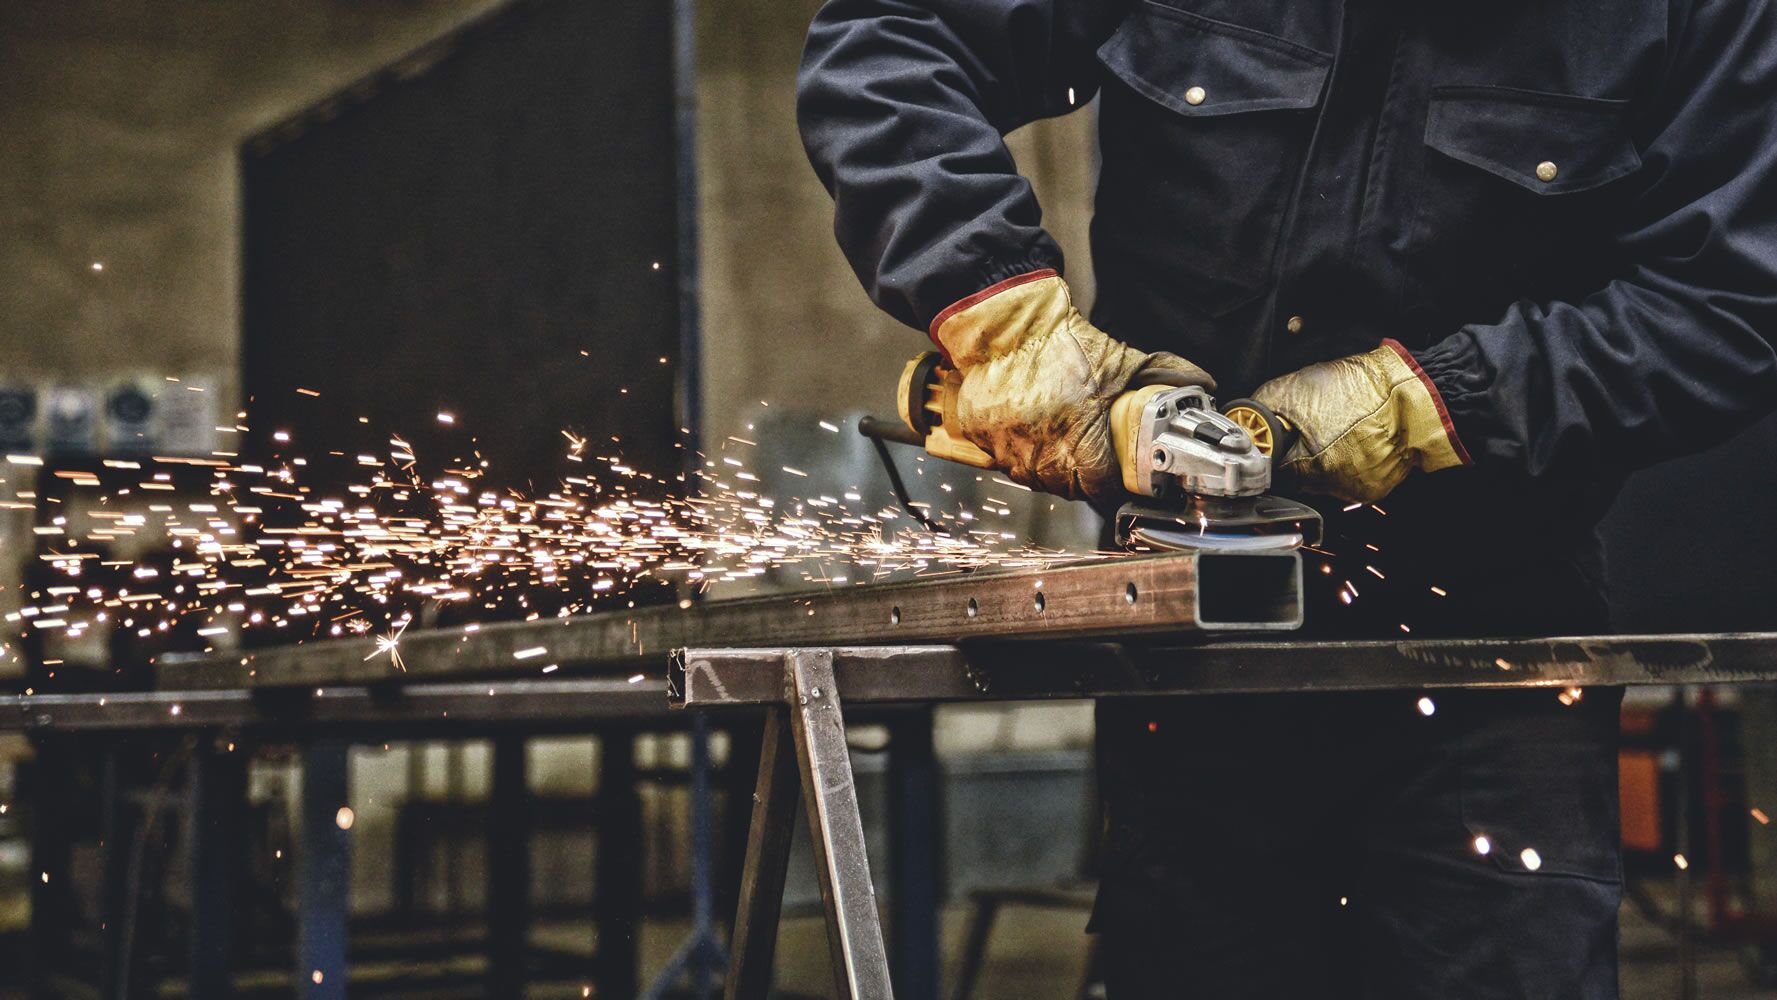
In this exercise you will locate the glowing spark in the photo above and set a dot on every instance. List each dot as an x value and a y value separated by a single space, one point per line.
1681 862
1758 814
344 818
391 644
1483 846
1531 859
525 654
1426 707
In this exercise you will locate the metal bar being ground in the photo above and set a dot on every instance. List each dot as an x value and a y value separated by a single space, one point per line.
1118 597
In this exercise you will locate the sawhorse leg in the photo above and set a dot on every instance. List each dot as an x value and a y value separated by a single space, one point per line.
701 953
218 859
508 869
808 729
916 851
617 878
325 870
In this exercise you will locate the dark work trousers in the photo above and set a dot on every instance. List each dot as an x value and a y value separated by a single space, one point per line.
1371 845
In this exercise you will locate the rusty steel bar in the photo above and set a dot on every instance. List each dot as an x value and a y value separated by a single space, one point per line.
1146 595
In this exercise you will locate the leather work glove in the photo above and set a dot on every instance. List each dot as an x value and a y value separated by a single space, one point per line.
1365 422
1038 381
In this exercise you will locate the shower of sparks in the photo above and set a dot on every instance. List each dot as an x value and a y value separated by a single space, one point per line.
360 542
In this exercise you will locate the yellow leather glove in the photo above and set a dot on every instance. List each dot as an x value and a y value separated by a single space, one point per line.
1365 421
1038 381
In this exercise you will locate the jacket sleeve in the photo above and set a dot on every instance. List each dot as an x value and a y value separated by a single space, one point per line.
1676 353
902 106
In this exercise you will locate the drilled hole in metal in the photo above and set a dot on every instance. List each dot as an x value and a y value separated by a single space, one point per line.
974 609
1040 602
1129 593
895 615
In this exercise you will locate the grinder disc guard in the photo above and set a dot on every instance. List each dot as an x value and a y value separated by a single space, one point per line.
1225 524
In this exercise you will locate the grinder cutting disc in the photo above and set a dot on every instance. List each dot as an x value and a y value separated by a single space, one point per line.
1238 524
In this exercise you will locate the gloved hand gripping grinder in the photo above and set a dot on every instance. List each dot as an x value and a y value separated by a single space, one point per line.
1202 474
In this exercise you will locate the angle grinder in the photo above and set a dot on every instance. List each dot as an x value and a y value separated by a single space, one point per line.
1202 474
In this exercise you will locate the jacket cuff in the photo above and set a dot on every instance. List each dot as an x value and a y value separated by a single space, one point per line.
945 294
1458 377
983 295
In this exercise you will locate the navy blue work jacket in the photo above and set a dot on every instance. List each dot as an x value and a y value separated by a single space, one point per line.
1566 208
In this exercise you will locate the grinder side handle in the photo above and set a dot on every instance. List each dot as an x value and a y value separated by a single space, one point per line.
926 401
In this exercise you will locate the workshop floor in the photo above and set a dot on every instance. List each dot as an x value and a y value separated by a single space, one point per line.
1035 955
1038 955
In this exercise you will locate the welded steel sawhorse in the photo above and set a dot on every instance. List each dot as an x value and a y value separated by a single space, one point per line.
804 754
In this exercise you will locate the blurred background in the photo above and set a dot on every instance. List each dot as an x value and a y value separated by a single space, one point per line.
549 215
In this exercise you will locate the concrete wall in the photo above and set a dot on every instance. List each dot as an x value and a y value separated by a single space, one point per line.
121 119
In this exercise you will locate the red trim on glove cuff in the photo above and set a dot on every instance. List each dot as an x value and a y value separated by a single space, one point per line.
983 295
1436 398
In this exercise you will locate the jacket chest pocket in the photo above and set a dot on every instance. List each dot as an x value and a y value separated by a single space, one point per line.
1203 128
1520 194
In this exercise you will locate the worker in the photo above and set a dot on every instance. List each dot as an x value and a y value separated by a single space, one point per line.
1490 258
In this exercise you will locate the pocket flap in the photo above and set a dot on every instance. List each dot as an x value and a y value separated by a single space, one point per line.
1200 67
1546 143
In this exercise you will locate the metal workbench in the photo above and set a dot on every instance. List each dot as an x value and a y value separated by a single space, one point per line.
1163 625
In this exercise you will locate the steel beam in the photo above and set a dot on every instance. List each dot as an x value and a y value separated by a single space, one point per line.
1034 671
1120 597
536 705
1013 670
